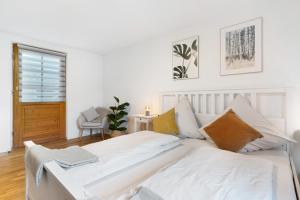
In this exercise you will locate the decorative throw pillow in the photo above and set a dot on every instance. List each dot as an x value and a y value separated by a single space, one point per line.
186 121
165 123
272 136
90 114
230 133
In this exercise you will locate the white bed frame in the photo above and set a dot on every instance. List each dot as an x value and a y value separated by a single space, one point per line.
207 104
272 103
54 184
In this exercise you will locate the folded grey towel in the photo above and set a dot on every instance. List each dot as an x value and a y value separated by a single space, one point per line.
37 156
74 156
144 193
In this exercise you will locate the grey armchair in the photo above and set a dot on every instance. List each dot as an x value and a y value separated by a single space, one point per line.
99 123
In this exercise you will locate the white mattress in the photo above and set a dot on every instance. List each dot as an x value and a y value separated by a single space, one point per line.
120 183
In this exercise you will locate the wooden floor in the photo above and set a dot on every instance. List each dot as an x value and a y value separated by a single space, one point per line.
12 180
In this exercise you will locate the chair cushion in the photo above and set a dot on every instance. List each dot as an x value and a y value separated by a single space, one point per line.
91 124
90 114
103 112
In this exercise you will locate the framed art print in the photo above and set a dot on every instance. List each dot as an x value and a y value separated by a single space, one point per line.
241 48
185 59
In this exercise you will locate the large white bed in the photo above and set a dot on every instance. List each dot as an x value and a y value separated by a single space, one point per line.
58 183
283 185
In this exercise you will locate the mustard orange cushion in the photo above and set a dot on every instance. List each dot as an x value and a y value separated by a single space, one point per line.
230 133
166 123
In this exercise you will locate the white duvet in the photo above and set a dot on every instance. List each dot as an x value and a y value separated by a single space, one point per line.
121 152
210 173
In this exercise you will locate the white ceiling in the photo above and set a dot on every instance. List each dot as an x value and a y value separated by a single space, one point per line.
100 25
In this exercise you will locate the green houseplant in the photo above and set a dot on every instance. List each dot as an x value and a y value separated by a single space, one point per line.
116 118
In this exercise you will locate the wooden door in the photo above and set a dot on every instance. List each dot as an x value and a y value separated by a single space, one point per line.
37 121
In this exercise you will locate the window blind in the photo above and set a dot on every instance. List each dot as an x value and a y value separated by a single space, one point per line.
42 75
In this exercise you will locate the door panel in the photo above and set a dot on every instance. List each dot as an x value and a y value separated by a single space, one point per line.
37 121
41 120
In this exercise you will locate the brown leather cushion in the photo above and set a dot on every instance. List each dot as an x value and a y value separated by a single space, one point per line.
230 133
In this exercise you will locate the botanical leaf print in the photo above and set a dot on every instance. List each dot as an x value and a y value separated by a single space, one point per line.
196 62
185 58
194 45
182 50
179 72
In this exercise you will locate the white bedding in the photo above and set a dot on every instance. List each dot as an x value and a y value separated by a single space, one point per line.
119 185
284 186
114 186
210 173
110 181
121 152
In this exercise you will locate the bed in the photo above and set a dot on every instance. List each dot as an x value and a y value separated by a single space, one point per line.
57 184
284 184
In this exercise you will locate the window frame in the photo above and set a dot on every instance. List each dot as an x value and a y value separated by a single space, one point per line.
43 53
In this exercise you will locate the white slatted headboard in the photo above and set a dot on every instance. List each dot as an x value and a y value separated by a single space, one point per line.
207 104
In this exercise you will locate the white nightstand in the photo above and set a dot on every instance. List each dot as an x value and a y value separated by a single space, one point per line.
140 118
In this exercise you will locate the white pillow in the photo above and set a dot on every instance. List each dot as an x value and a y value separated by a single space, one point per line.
185 119
272 136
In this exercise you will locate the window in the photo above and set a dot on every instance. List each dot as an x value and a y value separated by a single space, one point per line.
42 75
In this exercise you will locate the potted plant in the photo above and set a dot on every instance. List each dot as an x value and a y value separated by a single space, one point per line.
116 118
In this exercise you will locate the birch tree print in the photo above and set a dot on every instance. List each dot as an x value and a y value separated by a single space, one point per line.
185 59
240 48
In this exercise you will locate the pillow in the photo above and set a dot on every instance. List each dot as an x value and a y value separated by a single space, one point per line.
186 122
272 137
165 123
90 114
231 133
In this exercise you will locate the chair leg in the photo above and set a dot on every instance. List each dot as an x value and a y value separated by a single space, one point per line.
102 132
81 132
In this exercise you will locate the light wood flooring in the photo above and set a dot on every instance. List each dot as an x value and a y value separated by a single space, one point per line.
12 179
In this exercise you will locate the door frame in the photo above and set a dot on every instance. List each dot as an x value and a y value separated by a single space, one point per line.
17 140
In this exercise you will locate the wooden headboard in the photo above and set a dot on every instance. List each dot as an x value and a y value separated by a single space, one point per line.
207 104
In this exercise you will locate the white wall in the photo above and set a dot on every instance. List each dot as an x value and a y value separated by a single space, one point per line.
138 73
84 84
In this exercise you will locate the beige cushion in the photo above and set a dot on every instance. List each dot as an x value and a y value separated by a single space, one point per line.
272 136
90 114
91 124
103 112
186 121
